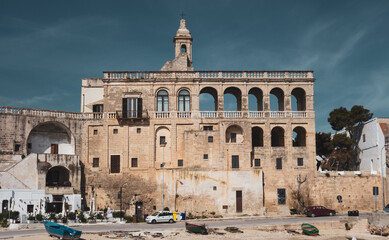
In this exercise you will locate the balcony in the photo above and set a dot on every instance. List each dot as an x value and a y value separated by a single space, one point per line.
230 114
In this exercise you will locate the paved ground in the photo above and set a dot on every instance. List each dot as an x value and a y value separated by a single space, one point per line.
242 222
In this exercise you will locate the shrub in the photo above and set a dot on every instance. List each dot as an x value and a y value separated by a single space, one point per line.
31 217
118 214
53 217
166 209
4 223
72 216
99 216
128 219
14 215
81 217
39 217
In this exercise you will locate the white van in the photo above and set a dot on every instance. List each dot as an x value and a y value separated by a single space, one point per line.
160 216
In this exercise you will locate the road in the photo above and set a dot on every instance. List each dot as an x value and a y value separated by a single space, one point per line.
214 223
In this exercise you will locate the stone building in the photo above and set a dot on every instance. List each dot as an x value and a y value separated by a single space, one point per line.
173 132
201 142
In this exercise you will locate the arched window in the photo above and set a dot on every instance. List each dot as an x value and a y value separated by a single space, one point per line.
277 137
58 176
162 101
183 101
299 137
183 48
232 99
277 99
234 134
257 137
298 99
255 99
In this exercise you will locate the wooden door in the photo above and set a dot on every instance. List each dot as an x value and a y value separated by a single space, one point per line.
115 163
54 148
238 201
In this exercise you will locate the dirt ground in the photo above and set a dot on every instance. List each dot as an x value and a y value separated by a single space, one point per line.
359 231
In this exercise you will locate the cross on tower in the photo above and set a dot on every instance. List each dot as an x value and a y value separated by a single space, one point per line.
182 15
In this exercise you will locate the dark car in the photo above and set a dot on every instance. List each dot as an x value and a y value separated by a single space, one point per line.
386 209
314 211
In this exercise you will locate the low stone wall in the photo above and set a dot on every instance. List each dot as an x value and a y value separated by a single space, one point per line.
355 188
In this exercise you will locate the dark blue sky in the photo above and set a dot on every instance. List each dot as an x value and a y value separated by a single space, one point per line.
46 47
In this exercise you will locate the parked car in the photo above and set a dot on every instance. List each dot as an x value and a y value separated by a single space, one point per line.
160 216
314 211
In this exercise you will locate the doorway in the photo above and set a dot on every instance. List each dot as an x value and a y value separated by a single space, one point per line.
238 201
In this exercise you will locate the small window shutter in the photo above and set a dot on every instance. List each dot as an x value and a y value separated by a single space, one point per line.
139 107
124 107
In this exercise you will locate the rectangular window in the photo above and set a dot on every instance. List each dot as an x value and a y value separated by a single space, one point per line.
279 163
132 107
138 130
210 139
208 128
300 162
205 156
96 162
16 147
54 149
115 163
162 140
134 162
95 132
98 108
364 137
257 162
235 161
30 208
281 195
180 162
115 131
233 137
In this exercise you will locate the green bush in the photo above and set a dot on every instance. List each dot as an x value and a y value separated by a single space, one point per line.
52 217
81 217
99 216
118 214
14 215
31 217
4 223
39 217
72 216
128 219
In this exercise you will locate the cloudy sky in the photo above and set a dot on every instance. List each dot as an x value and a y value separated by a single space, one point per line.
46 47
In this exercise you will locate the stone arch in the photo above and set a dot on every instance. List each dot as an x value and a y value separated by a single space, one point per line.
277 137
51 137
278 94
162 144
234 134
298 99
299 137
227 98
183 100
58 176
183 48
257 137
255 99
162 100
205 99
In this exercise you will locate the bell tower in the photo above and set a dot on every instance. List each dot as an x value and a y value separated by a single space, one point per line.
183 41
182 51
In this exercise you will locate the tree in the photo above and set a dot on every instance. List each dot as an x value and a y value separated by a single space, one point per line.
345 150
323 144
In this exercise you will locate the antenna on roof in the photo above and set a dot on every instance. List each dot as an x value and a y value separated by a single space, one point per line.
182 14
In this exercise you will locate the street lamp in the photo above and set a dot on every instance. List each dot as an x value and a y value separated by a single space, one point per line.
382 174
163 145
175 196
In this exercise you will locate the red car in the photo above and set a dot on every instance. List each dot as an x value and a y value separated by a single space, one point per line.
314 211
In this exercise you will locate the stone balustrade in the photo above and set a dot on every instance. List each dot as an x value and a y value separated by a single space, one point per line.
211 75
159 115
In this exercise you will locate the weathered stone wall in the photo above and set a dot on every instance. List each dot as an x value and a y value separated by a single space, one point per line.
356 191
